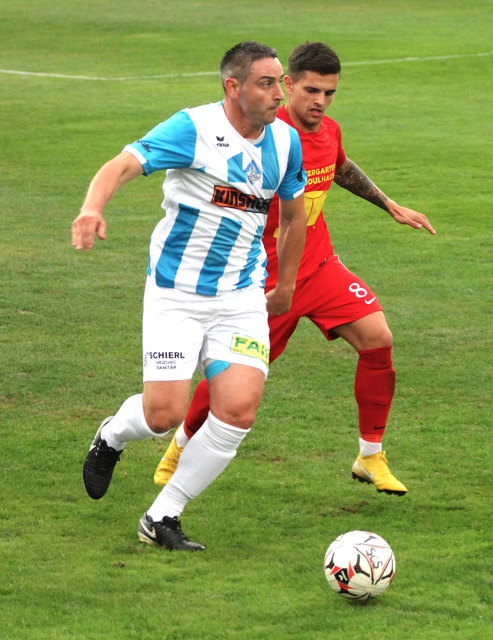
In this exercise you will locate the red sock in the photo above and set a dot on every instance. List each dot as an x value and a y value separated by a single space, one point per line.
374 389
198 410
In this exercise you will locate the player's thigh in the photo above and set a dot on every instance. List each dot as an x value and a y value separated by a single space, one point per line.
369 332
165 403
172 337
340 297
240 334
235 394
240 339
172 334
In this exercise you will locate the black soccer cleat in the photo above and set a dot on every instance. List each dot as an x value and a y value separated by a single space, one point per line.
99 465
165 533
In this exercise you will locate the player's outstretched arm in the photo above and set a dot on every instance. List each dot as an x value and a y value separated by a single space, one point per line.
351 177
290 244
90 222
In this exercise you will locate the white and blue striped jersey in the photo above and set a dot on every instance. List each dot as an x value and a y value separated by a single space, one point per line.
217 192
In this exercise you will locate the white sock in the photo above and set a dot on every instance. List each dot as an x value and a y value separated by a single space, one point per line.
369 448
180 436
129 423
204 458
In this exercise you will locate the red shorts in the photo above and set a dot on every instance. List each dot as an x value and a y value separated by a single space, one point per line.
331 296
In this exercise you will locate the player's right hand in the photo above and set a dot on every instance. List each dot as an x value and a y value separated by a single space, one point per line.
278 301
86 227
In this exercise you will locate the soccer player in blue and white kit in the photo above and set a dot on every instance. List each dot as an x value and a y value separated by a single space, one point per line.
204 302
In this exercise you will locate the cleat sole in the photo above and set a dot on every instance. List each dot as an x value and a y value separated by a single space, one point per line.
360 479
390 492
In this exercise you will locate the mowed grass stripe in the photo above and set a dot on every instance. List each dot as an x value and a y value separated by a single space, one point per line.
200 74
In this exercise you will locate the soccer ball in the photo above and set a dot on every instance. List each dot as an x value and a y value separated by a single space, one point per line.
359 565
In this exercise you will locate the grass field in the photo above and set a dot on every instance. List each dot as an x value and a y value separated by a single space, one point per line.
78 81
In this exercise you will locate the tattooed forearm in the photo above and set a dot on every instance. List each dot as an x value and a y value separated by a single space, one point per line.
351 177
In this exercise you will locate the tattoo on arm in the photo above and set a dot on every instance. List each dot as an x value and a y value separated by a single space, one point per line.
351 177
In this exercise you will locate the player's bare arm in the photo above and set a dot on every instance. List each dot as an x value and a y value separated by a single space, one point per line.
90 222
351 177
290 243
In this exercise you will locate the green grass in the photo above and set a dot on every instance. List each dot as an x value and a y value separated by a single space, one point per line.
70 334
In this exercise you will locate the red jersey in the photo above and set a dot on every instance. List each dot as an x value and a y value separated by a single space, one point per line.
322 155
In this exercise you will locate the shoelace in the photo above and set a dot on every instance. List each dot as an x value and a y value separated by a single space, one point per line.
108 454
175 525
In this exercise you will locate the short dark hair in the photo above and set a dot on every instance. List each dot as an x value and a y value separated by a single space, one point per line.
237 61
313 56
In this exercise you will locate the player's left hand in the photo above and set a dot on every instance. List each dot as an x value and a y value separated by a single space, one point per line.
278 301
414 219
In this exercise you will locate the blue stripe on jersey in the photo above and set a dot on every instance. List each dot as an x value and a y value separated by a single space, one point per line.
236 173
175 245
217 257
251 263
270 161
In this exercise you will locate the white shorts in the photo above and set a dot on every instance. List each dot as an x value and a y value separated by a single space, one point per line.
183 330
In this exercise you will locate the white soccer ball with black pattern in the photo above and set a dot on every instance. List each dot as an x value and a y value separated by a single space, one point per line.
359 565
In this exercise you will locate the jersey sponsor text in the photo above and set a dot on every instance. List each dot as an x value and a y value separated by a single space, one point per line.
235 199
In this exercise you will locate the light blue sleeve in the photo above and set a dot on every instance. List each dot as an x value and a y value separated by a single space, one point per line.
170 145
295 177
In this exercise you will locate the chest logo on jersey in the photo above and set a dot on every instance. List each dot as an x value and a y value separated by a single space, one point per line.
253 173
235 199
242 170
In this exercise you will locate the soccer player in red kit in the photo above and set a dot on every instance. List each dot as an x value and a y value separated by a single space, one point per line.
337 301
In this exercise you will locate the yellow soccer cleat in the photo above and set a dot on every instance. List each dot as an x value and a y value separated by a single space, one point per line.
375 470
168 463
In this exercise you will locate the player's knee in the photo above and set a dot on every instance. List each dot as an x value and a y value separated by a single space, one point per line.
246 419
385 337
239 416
161 420
378 338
